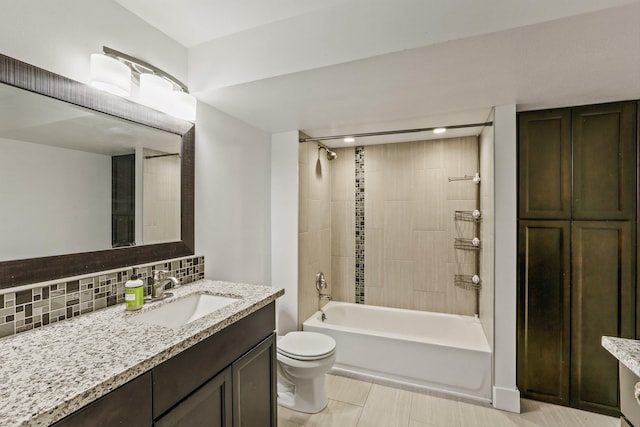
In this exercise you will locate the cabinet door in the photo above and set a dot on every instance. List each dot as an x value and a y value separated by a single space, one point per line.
544 164
128 405
604 161
209 406
602 303
254 386
176 378
544 310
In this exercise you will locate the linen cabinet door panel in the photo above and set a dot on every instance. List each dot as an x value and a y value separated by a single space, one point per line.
602 303
604 162
544 310
544 156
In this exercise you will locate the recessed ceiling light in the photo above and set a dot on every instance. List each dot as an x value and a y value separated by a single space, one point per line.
349 139
439 130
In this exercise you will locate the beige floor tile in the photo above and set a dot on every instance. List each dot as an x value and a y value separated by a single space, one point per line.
386 407
539 414
336 414
289 418
359 403
433 410
347 390
472 415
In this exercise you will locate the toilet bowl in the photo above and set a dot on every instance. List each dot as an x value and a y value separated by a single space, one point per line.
303 360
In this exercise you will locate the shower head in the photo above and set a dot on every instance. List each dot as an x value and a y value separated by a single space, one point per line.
331 155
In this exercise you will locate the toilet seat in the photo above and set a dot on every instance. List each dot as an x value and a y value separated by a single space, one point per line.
306 345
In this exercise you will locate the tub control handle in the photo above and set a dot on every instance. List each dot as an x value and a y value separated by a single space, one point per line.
636 392
321 282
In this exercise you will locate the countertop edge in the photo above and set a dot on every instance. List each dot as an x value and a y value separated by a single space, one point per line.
626 350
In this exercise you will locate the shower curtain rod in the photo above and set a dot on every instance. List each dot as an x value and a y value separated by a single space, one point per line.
392 132
162 155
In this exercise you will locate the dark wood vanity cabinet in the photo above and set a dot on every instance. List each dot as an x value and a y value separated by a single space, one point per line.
576 251
128 405
229 379
210 405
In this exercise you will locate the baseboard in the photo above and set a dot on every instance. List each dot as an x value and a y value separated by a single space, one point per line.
506 399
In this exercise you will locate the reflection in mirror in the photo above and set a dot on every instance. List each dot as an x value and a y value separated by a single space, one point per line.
65 187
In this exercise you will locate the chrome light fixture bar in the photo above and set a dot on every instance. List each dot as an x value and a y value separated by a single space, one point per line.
113 71
140 67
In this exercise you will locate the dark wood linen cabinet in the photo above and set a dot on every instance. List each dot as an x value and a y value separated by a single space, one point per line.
577 201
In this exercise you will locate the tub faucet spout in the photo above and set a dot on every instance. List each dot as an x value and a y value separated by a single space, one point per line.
324 296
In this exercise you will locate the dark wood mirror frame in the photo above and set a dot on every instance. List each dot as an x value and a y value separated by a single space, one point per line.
19 272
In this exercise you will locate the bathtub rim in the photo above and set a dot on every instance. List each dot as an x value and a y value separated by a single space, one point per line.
366 376
314 320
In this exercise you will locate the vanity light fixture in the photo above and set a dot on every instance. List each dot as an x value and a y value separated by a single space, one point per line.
110 75
439 130
158 89
349 139
155 91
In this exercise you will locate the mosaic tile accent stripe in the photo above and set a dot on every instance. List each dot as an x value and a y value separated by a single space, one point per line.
33 308
359 225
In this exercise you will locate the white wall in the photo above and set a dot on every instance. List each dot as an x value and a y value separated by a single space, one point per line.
284 226
53 200
505 393
232 205
487 232
60 36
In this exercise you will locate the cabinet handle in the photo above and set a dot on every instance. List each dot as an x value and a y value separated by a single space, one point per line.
636 392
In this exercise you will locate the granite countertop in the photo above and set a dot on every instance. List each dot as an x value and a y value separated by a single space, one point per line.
625 350
50 372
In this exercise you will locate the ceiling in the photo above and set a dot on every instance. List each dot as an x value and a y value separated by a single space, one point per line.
344 66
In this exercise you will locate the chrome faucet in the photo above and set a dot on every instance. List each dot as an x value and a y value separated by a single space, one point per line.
321 283
160 280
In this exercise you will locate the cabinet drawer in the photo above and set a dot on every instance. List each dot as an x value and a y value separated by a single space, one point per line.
628 405
176 378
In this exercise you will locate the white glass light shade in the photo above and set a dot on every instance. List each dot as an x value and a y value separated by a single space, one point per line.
349 139
439 130
183 106
110 75
155 91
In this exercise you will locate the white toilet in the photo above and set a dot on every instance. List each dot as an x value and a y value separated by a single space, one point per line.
303 360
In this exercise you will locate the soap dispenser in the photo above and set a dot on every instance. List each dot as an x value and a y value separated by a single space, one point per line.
134 292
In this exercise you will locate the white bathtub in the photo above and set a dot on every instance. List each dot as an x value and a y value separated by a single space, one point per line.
436 351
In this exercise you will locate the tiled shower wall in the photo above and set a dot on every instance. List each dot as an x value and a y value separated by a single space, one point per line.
32 308
410 260
314 226
161 196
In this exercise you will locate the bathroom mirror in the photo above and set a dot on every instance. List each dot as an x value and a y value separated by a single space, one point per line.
65 150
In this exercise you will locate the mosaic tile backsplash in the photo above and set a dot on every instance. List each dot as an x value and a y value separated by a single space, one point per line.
360 234
33 308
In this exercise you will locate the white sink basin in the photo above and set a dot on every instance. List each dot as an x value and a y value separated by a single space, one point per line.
184 310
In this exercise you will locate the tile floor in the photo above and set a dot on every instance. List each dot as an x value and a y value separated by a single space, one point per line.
363 404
